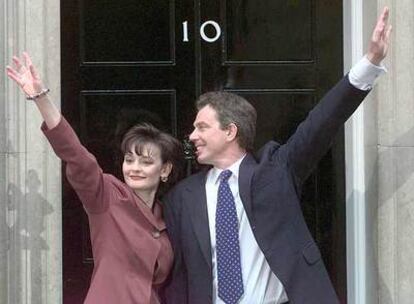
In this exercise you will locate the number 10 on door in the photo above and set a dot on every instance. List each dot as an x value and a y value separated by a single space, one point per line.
203 34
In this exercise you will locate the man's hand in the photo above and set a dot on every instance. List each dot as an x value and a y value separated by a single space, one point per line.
378 46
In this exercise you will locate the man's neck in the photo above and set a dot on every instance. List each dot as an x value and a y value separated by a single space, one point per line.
229 159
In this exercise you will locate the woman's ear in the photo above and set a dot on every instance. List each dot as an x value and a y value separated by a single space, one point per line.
166 169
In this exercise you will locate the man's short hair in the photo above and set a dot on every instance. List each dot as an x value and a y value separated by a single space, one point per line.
232 108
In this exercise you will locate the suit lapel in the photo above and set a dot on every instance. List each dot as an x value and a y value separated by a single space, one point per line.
197 205
245 177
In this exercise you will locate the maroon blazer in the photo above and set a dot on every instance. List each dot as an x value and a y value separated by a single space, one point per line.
131 251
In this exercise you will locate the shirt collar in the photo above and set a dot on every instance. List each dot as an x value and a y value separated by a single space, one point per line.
234 168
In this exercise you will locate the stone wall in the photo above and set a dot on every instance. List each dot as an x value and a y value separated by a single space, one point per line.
30 194
396 162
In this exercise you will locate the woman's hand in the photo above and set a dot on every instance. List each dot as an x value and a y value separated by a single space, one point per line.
25 75
28 79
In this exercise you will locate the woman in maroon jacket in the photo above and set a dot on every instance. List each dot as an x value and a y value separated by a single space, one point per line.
132 254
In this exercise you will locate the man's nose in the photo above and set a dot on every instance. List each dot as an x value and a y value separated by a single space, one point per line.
193 135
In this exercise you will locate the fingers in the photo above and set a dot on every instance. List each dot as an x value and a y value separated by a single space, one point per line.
386 38
385 14
30 65
34 73
27 59
11 73
381 26
9 69
21 69
24 74
386 28
383 19
388 33
17 63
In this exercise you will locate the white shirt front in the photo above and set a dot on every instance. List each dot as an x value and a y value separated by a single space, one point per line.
260 284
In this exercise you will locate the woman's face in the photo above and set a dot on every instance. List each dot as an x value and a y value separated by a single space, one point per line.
143 172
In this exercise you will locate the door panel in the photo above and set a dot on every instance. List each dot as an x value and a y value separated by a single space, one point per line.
125 61
263 27
126 32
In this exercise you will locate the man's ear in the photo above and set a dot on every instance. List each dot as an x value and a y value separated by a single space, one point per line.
231 131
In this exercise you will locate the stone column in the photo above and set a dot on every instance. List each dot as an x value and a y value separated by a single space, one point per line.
396 162
30 181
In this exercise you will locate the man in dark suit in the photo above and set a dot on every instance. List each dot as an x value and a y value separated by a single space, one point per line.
237 230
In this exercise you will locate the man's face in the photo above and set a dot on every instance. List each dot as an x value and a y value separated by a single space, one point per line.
208 138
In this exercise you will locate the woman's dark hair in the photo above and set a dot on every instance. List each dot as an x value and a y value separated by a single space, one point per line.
171 150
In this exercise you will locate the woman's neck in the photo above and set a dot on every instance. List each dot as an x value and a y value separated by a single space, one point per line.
146 197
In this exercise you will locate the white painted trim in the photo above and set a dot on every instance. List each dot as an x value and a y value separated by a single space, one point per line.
359 279
354 159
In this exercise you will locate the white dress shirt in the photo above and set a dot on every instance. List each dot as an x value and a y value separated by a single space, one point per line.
261 286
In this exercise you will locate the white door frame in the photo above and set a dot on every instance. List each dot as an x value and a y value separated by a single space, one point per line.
359 18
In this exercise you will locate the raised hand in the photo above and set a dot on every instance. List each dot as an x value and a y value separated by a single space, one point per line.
25 75
378 46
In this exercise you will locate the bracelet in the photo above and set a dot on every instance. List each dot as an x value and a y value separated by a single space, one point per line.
40 94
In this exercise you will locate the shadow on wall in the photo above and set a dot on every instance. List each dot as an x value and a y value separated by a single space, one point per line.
25 218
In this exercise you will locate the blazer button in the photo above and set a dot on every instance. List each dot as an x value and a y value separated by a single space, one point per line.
156 234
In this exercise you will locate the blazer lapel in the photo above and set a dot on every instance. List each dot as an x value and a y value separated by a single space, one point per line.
245 177
197 206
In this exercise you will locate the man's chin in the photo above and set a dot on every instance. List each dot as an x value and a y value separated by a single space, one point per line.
202 160
205 161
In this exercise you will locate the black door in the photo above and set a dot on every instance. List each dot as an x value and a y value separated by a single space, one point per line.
126 61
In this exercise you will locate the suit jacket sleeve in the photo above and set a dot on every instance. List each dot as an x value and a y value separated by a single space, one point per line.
314 135
175 290
82 169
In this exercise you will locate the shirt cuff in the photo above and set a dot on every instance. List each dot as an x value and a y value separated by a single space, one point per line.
364 73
